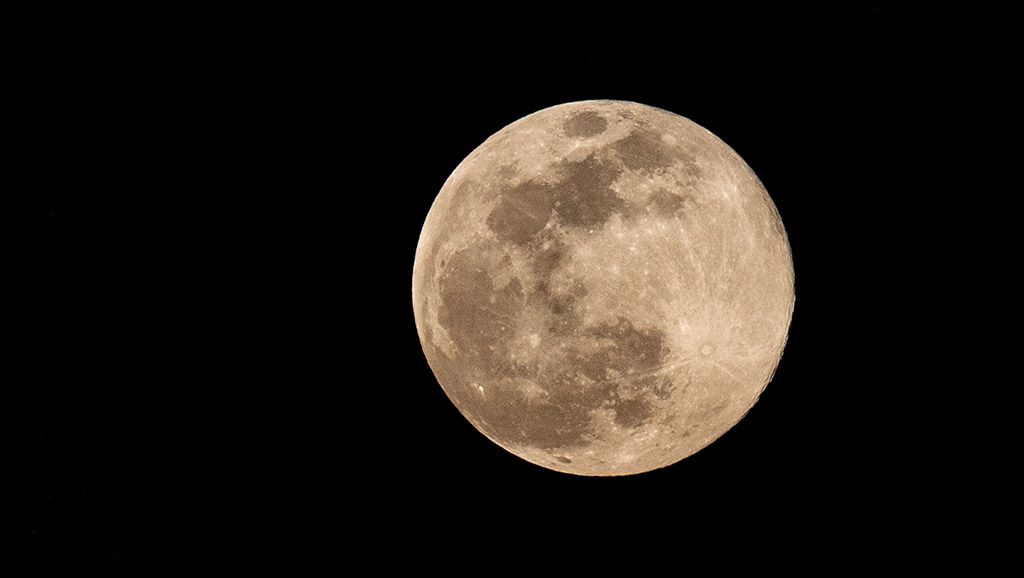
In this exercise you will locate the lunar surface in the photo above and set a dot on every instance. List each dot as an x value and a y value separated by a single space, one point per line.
603 288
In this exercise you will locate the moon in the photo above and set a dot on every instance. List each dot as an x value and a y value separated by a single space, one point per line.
603 288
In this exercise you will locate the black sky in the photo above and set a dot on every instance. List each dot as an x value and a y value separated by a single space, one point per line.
208 228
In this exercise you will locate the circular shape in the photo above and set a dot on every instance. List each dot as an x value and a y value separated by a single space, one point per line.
603 288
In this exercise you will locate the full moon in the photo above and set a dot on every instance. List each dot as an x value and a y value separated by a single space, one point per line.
603 288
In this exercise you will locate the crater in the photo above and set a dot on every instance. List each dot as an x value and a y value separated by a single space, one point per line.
585 125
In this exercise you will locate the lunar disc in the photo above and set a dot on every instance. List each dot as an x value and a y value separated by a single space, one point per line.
603 288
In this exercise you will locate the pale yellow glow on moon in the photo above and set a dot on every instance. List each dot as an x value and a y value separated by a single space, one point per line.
603 288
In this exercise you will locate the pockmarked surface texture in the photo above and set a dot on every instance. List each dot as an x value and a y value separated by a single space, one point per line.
603 288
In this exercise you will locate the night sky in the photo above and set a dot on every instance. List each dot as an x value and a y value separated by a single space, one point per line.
207 231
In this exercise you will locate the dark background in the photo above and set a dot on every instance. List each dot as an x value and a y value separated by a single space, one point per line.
209 222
